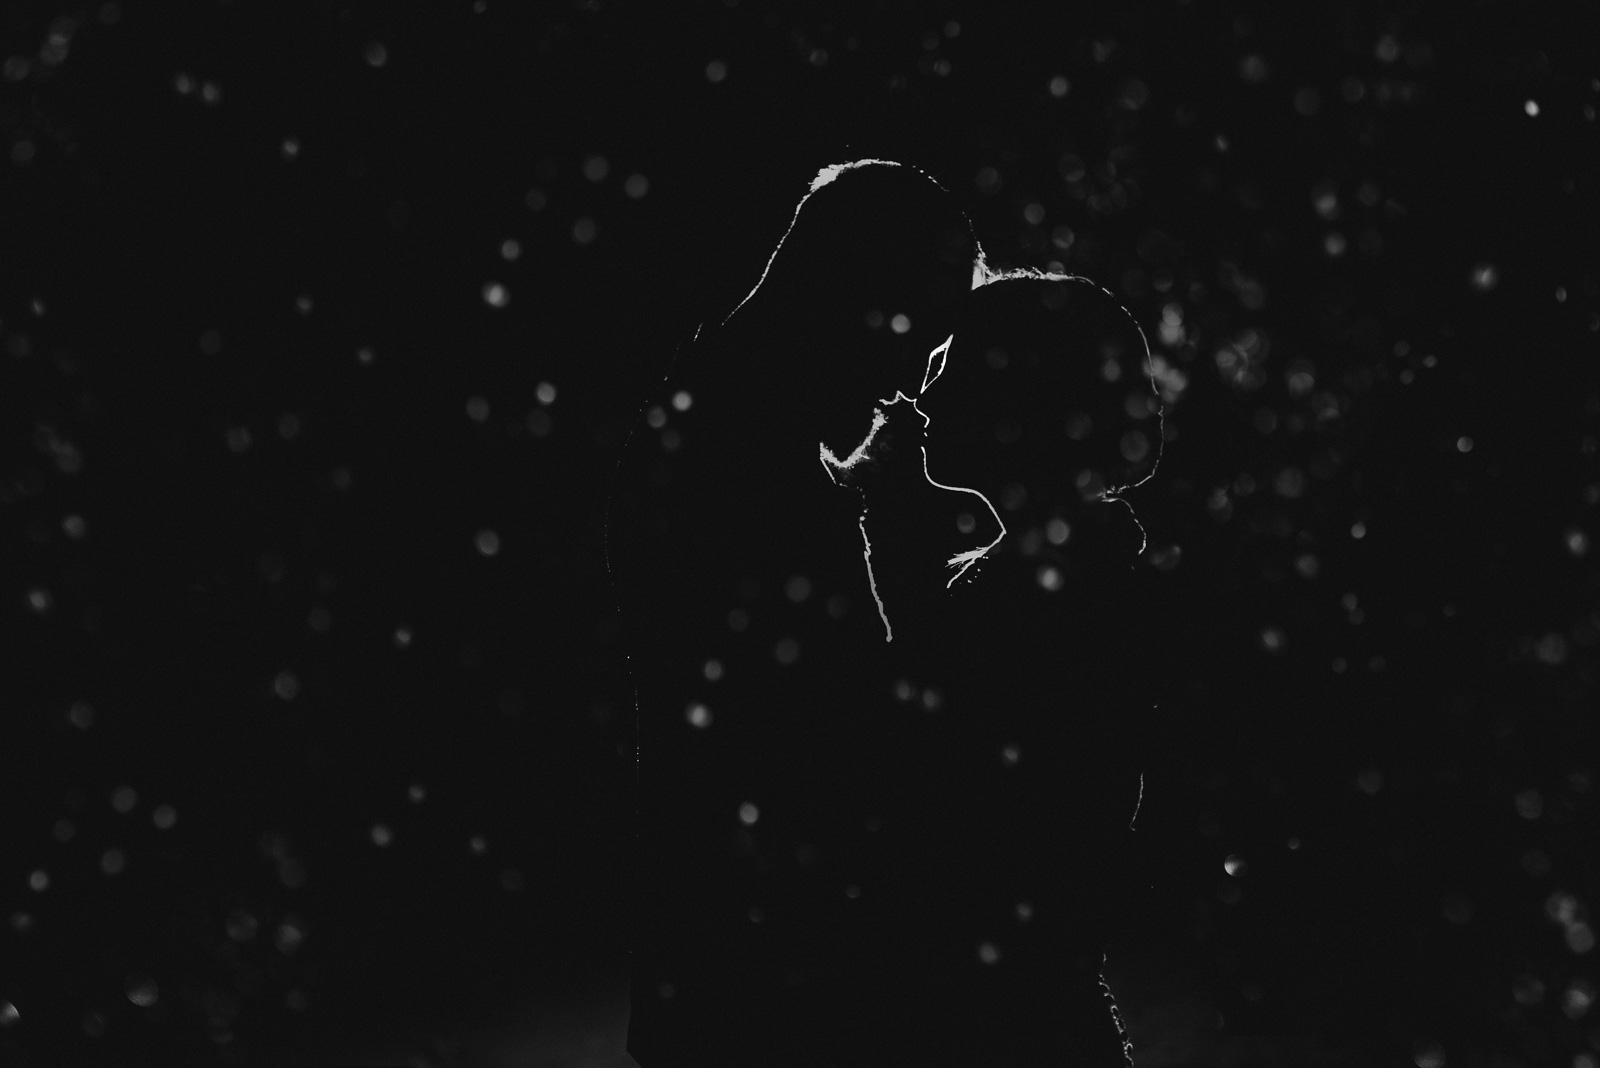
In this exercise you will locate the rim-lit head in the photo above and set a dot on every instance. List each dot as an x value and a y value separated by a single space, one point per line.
865 282
1045 384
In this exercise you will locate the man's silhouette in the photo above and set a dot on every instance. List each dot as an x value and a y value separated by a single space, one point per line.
766 924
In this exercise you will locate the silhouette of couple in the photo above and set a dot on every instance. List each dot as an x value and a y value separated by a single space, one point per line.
879 600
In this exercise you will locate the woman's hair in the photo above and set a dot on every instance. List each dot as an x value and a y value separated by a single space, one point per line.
1046 386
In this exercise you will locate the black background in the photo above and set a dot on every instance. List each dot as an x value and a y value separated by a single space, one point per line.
1377 598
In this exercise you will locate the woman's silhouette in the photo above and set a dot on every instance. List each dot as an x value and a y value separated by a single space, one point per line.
1041 401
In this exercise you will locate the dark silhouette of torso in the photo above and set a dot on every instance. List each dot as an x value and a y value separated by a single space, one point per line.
844 856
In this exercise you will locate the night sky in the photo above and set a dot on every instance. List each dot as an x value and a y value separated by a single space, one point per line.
323 330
